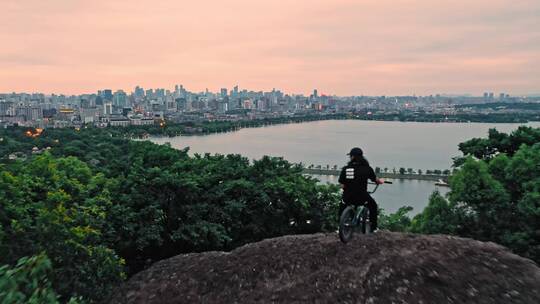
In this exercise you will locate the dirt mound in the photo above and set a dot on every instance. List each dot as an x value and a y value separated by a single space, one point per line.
383 268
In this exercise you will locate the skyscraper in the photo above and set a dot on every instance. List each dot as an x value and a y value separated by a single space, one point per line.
150 93
120 99
107 94
223 92
139 92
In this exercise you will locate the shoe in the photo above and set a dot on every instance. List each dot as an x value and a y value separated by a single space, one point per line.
375 231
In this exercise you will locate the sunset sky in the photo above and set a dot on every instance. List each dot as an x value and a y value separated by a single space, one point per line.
342 47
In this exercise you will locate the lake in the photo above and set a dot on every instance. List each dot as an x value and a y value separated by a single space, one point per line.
386 144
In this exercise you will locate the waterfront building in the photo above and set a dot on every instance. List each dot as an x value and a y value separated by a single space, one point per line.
139 120
119 121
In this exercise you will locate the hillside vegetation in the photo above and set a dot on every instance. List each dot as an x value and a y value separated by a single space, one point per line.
495 193
99 207
80 217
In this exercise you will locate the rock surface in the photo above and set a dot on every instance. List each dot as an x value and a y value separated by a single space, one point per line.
382 268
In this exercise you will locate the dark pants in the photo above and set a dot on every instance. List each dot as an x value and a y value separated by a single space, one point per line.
369 202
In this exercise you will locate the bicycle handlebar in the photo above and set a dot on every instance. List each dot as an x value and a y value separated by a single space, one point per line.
386 182
377 186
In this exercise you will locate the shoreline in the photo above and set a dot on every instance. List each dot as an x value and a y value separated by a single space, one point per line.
428 177
259 123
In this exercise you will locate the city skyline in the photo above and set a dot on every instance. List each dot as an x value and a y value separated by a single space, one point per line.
229 90
341 47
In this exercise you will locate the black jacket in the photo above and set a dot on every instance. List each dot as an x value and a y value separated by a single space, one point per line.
355 178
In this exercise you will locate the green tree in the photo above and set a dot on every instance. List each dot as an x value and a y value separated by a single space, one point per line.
47 207
398 221
29 282
490 209
439 216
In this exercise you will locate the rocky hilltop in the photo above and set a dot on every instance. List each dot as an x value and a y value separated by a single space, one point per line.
382 268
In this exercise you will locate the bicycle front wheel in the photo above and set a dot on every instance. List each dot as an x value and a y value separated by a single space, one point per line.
346 224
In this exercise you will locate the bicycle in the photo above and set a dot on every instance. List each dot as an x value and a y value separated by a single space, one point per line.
355 216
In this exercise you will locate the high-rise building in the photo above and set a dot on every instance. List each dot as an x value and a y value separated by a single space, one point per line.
106 94
223 107
88 115
107 109
120 99
149 93
260 104
85 103
170 104
224 92
98 101
30 113
160 93
139 92
5 106
181 103
178 88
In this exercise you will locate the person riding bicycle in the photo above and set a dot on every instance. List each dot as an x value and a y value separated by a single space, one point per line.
354 180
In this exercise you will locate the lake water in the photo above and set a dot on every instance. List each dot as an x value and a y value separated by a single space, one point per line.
385 144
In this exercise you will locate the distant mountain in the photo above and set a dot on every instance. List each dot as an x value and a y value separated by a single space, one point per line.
383 268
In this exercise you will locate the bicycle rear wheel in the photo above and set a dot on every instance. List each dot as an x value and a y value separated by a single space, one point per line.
365 224
346 224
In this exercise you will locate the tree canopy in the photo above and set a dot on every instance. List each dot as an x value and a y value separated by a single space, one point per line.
495 193
101 207
81 210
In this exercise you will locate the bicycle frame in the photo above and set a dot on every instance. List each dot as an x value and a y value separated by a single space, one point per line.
358 214
360 208
359 217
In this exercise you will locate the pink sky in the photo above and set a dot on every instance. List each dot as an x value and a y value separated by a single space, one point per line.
342 47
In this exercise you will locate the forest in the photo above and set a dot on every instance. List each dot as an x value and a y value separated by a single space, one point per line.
83 209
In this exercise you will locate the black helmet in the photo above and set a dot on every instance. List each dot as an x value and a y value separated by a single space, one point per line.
356 152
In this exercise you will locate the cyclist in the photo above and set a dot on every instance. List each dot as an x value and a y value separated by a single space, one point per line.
354 180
